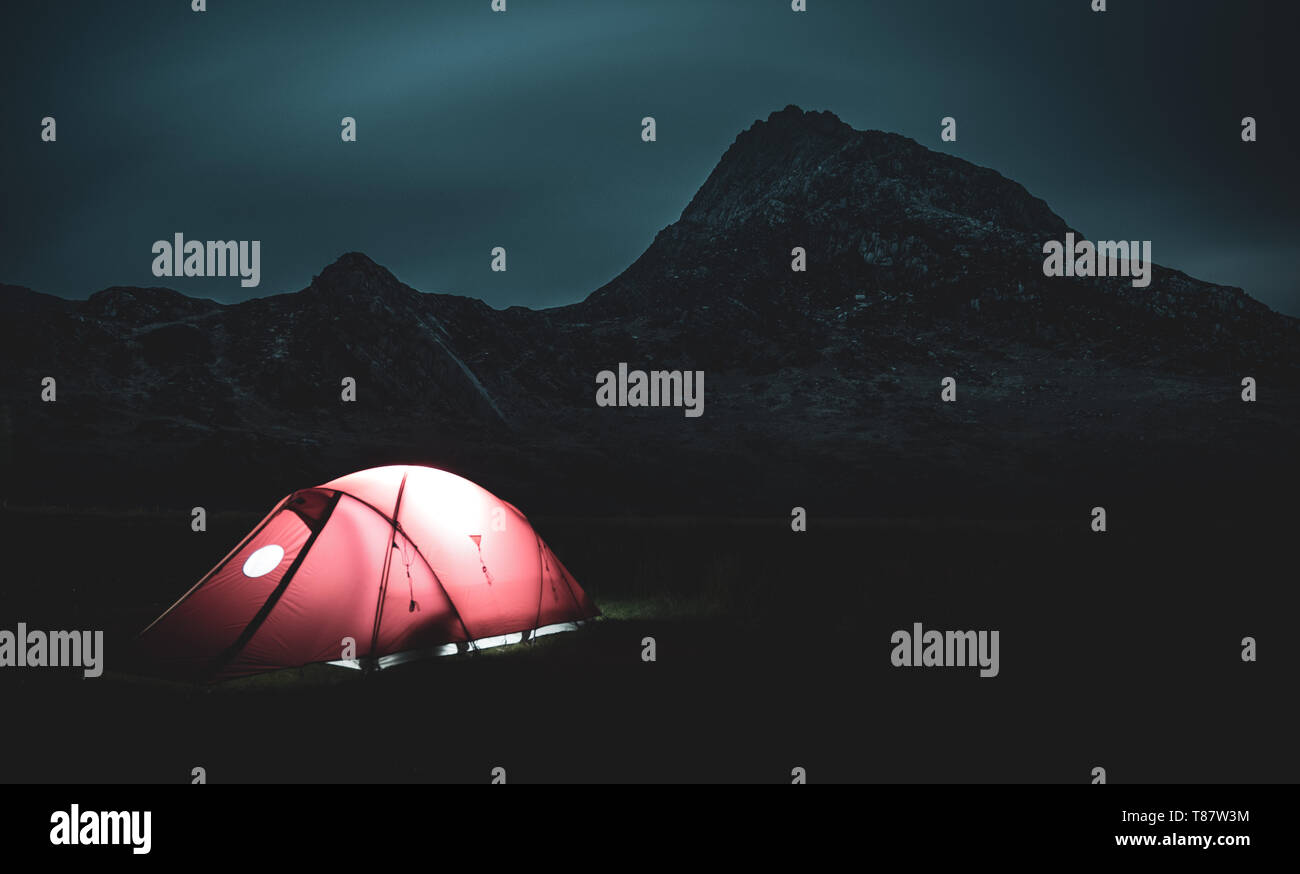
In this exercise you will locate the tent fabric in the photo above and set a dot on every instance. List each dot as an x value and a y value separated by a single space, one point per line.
401 561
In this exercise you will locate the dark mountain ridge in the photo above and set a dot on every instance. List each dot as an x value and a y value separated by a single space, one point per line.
920 266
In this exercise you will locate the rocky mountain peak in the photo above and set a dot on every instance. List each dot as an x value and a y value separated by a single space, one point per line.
807 167
356 275
795 123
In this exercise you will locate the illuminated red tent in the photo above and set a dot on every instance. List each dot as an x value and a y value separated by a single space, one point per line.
370 570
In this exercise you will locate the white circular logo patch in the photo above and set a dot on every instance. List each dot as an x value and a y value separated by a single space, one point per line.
262 562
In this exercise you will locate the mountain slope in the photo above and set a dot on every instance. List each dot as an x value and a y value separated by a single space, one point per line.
920 266
899 236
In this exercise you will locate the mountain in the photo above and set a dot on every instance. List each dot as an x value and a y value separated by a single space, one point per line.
899 236
820 386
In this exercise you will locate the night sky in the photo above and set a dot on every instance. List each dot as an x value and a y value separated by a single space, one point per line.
478 129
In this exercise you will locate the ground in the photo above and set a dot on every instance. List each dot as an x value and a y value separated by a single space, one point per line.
773 652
